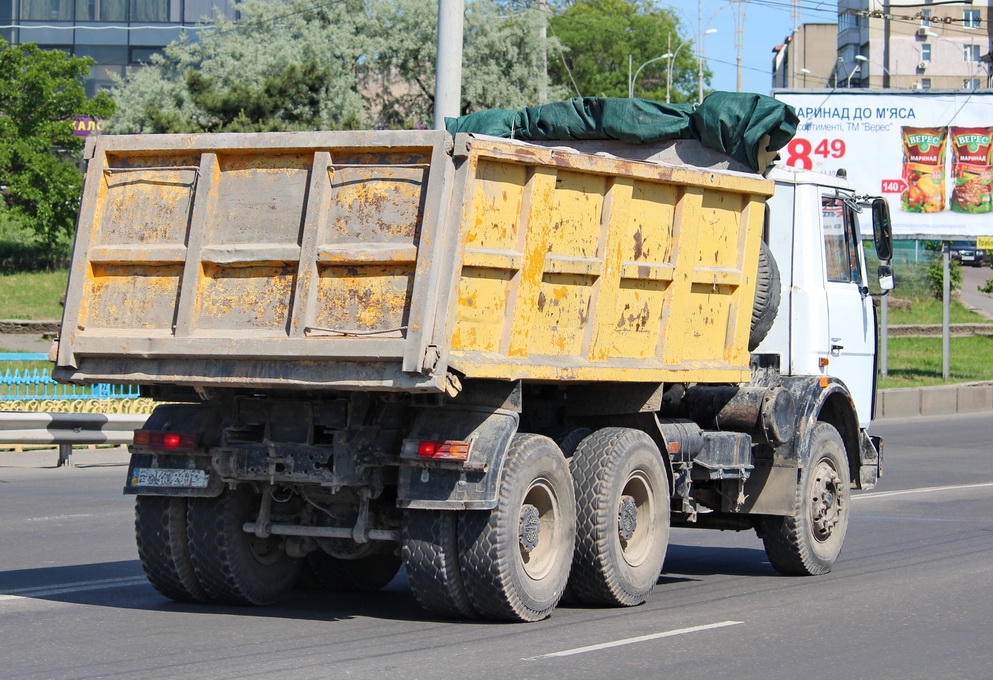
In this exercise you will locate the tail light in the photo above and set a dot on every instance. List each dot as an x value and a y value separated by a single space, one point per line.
165 441
444 450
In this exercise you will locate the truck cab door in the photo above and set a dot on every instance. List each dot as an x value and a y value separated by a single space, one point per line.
851 317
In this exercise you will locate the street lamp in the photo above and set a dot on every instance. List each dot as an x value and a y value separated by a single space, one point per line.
865 60
699 63
671 56
857 69
632 79
805 72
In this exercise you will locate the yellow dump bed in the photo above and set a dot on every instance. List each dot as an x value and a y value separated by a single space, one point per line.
404 261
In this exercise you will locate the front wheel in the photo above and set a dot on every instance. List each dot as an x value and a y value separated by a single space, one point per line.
516 557
809 541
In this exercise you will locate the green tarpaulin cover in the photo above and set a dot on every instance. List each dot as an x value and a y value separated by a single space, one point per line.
748 127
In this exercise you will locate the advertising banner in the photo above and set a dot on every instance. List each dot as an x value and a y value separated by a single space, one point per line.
930 154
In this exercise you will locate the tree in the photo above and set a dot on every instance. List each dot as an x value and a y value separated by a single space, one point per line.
287 64
501 65
41 94
284 65
599 36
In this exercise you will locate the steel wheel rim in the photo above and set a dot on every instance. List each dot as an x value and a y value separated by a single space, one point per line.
827 501
538 529
638 489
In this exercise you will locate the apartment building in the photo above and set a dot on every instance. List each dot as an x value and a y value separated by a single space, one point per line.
806 58
913 44
900 44
116 33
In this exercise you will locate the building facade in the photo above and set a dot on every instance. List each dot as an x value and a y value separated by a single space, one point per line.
910 44
115 33
806 58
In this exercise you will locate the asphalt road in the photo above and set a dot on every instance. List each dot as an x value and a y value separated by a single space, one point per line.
910 597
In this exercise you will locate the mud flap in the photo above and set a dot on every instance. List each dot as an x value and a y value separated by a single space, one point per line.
426 484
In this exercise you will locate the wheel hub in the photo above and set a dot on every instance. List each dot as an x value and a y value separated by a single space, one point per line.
627 518
530 527
828 502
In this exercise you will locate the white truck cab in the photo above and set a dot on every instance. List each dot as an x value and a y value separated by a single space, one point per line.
826 323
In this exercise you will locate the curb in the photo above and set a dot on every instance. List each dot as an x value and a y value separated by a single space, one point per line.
29 327
941 400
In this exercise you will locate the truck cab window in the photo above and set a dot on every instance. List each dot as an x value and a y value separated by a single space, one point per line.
840 241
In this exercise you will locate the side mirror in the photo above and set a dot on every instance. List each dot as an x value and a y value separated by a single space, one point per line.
882 229
885 274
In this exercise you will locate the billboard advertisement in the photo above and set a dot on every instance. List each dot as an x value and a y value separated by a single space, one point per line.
930 154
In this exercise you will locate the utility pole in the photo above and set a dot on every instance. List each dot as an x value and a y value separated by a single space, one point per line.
448 69
543 76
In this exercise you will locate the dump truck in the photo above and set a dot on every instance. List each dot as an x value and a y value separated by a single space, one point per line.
508 367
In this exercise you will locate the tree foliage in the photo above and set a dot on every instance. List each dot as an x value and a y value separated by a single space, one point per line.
288 64
41 94
605 40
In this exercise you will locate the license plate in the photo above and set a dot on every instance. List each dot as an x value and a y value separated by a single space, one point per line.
168 478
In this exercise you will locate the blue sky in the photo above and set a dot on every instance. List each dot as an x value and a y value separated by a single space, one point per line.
766 24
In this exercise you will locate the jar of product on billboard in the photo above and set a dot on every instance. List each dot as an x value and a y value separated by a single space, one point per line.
971 157
923 169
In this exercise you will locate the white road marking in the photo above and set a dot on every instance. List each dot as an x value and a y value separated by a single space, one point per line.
634 640
62 588
52 517
930 489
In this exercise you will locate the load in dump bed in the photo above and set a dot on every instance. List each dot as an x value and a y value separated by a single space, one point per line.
507 366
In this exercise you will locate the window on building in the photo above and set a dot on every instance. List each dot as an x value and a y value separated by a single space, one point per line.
971 52
46 10
925 83
970 18
970 84
101 10
926 18
149 10
925 52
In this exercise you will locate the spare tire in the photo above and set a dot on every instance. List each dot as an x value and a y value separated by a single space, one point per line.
767 294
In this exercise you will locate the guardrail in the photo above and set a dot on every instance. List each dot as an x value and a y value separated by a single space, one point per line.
68 429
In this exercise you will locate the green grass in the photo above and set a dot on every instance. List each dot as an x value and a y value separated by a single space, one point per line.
33 295
916 362
929 311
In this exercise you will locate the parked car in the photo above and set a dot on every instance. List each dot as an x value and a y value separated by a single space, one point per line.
967 253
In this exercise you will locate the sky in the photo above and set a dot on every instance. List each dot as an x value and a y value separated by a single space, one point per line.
767 23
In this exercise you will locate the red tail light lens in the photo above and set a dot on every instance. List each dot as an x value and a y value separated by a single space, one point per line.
165 441
446 450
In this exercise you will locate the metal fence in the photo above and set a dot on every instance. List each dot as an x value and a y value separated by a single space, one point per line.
37 383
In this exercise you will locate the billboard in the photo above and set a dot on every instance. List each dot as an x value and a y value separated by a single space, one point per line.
929 153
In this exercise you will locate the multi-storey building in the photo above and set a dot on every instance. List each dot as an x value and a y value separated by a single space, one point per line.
806 58
905 44
116 33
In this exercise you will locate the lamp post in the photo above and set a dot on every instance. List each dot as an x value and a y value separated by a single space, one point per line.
671 56
805 72
857 69
865 60
699 62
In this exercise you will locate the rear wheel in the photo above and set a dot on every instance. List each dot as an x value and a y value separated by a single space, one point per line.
622 500
431 553
163 548
516 557
809 541
233 566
